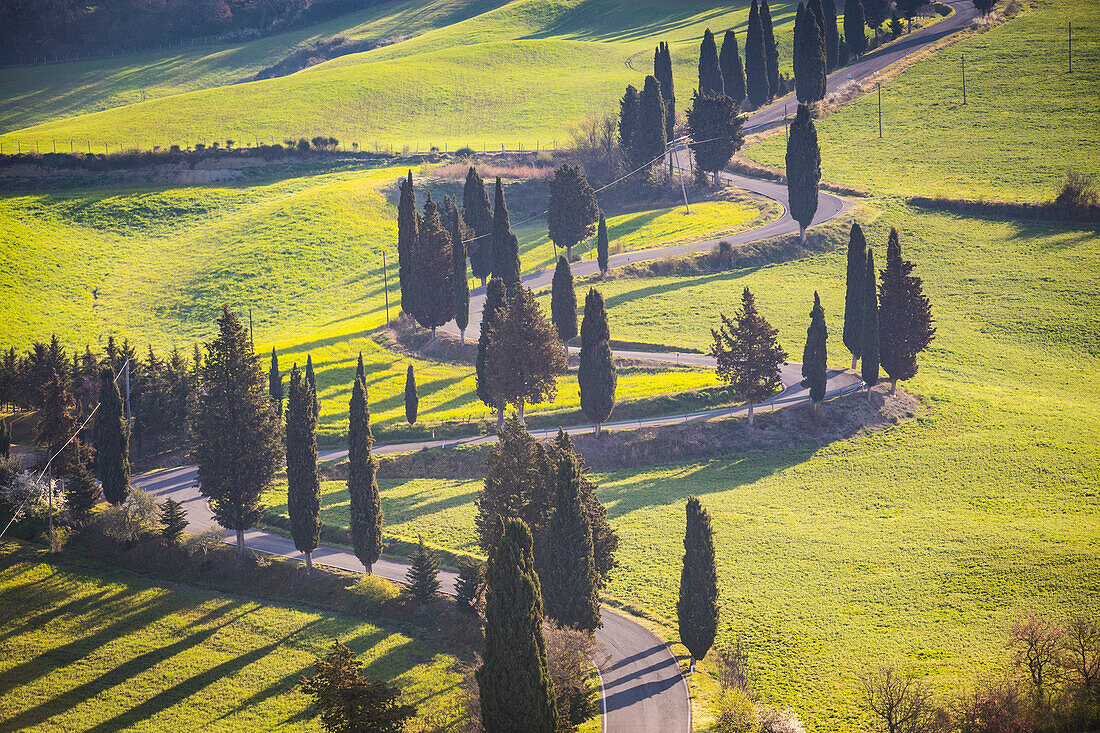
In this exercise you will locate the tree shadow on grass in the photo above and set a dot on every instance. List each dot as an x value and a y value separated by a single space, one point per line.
56 609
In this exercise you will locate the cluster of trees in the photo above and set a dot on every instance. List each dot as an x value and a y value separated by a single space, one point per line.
50 28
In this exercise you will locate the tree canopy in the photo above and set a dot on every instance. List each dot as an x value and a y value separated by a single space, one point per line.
748 354
572 212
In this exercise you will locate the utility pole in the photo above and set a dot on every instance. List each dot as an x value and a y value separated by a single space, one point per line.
386 287
1071 48
964 78
683 189
127 370
251 341
879 110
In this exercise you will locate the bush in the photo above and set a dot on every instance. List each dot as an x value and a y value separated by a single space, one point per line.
465 153
1078 191
136 518
375 592
994 707
779 721
736 713
570 655
303 145
204 542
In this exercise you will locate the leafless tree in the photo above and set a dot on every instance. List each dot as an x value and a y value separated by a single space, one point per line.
900 702
594 143
1081 648
1038 645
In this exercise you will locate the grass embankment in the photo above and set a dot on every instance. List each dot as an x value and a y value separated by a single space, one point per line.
303 251
466 79
1025 121
102 649
917 545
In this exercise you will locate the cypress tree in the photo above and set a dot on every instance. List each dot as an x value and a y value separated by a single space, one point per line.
771 48
715 122
876 12
572 212
563 301
596 375
756 64
630 112
514 680
906 313
505 246
236 436
710 71
303 484
869 348
803 168
853 294
458 270
408 236
412 400
109 437
697 607
650 138
495 302
469 584
662 69
312 379
275 384
819 13
434 265
422 577
173 520
809 71
747 353
570 586
855 37
81 490
365 500
478 215
832 35
733 73
605 543
799 20
814 357
603 247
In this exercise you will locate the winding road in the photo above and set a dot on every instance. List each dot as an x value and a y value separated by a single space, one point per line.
642 688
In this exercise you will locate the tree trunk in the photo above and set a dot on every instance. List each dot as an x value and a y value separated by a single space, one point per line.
520 410
893 386
368 569
462 336
240 544
309 563
868 394
802 232
500 417
568 254
482 282
433 332
596 432
854 360
750 415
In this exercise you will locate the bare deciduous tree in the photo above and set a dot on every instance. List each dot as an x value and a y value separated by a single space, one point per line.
1038 645
1081 647
900 701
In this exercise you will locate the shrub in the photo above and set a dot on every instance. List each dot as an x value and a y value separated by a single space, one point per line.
204 542
303 145
134 519
375 592
26 497
779 721
569 657
1078 191
736 713
465 153
994 707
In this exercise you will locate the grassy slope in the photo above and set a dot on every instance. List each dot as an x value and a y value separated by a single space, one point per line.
918 545
35 94
108 651
464 82
1025 121
165 259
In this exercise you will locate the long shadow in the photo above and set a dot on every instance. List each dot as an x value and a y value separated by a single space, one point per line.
626 698
669 662
688 282
117 676
179 692
44 618
635 657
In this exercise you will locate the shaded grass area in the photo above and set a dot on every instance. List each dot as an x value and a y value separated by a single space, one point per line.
918 545
104 650
1026 118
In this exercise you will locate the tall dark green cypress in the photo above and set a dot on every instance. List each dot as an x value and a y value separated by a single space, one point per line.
596 375
809 70
434 264
853 293
569 583
662 69
422 576
733 73
814 356
275 384
514 680
563 301
505 246
710 72
799 16
311 377
412 400
603 246
303 484
630 114
458 271
832 35
803 167
905 313
111 441
496 300
855 35
756 64
869 365
408 235
650 137
697 607
477 212
819 13
771 48
365 500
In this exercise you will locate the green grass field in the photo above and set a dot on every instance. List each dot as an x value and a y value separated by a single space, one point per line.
467 78
1026 119
105 651
918 545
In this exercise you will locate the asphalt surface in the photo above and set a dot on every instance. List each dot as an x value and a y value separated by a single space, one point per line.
642 688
